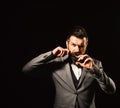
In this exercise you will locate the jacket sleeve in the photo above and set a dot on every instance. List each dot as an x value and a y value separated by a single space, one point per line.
105 82
44 58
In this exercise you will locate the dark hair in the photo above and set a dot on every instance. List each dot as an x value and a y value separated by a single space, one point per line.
77 31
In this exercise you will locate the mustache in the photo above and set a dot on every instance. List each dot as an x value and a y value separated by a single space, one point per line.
75 58
75 55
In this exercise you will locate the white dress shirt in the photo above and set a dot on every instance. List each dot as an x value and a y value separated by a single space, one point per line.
76 70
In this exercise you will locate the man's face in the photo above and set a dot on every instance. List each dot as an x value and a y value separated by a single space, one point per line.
76 46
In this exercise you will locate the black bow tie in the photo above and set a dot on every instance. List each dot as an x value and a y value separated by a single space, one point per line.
72 61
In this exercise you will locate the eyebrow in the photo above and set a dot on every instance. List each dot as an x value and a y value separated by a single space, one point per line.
74 43
82 45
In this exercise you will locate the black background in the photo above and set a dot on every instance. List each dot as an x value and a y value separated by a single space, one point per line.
36 27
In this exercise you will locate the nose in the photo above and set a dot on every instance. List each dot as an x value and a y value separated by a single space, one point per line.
77 49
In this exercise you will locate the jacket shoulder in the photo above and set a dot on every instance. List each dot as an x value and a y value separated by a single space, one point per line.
97 61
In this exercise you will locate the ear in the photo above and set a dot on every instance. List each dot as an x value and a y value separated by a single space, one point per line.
67 43
86 45
86 42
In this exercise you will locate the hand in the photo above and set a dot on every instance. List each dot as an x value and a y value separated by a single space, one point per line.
59 51
85 61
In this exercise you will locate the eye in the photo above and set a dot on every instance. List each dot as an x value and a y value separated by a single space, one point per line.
73 44
81 46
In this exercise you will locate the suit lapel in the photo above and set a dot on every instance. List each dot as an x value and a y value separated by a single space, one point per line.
66 76
82 76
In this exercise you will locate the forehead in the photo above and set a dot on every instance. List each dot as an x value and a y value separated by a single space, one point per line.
77 40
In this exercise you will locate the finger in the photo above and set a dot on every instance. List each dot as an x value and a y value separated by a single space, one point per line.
89 63
60 53
66 51
85 56
88 60
82 57
79 64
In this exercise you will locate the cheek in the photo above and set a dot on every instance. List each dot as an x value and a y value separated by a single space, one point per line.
83 50
71 49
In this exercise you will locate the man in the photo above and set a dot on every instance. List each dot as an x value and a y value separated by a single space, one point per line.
75 73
